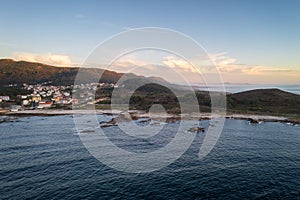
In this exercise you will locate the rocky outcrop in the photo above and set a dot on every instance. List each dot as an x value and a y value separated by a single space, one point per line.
8 119
173 119
196 129
253 121
110 123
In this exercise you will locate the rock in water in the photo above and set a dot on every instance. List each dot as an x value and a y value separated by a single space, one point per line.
197 129
253 121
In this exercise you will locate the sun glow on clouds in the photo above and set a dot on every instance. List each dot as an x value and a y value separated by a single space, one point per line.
49 58
229 68
226 64
170 67
123 63
232 71
179 64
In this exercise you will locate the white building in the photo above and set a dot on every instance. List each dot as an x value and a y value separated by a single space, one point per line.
15 108
5 98
45 104
25 102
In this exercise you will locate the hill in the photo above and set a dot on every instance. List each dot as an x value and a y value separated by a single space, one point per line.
267 101
260 101
19 72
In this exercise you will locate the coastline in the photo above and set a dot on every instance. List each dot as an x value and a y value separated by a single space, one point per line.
136 114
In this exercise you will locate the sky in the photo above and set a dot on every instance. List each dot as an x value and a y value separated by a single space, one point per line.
249 41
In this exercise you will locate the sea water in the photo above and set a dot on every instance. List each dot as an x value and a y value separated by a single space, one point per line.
43 158
234 88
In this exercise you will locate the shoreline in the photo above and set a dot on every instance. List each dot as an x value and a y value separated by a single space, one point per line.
136 114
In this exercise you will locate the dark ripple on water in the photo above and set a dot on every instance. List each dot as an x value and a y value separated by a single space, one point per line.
44 159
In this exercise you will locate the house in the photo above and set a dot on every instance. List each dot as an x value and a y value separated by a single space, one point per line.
25 102
44 104
36 97
5 98
15 108
67 94
102 99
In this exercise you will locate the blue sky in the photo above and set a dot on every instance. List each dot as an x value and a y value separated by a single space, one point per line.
252 32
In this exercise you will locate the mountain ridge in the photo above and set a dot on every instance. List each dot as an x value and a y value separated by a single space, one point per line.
266 101
19 72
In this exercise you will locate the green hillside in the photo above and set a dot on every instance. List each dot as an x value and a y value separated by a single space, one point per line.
268 101
19 72
261 101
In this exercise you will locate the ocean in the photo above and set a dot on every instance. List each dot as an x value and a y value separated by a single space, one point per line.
234 88
43 158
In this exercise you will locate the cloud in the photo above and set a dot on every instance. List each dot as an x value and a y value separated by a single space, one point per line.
179 64
129 62
49 58
178 70
231 70
227 64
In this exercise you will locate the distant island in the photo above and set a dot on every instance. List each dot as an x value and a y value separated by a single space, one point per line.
29 86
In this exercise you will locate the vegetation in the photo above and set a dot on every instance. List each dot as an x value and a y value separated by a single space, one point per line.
262 101
267 101
19 72
13 92
147 95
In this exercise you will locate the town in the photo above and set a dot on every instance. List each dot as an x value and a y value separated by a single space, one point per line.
47 96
